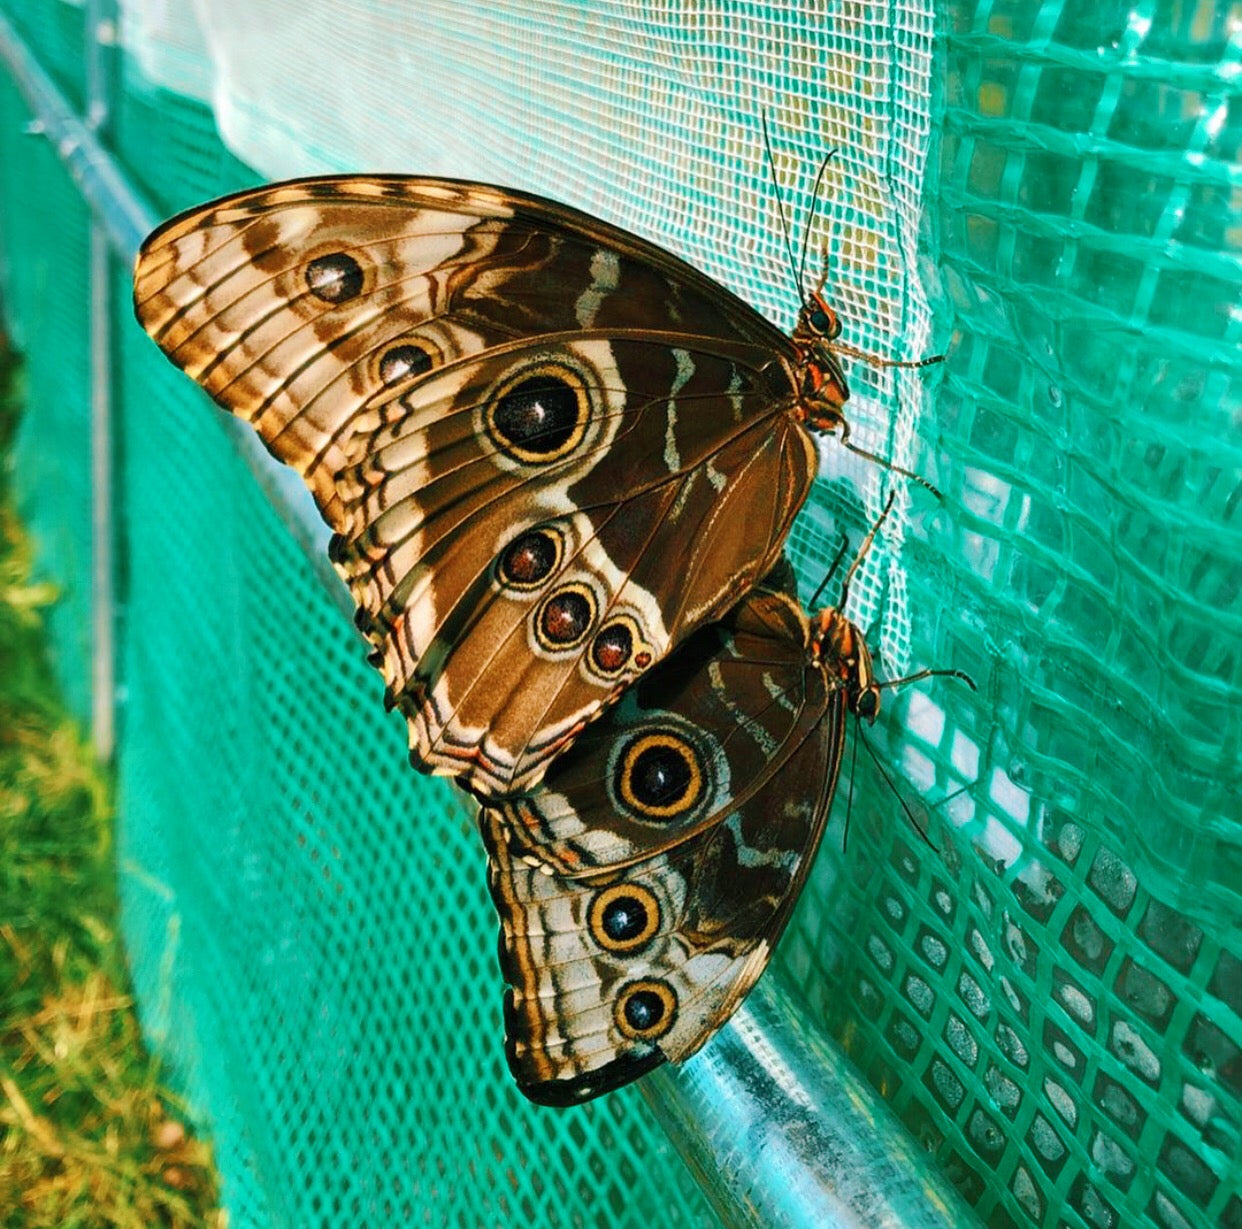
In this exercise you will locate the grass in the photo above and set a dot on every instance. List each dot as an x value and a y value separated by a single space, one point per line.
89 1135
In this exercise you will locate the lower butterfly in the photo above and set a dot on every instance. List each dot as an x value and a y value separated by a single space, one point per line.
643 887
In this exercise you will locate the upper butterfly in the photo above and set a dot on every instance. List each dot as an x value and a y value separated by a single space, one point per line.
548 449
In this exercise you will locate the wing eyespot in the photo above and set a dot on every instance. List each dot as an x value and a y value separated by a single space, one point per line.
613 648
539 415
646 1010
530 559
335 278
624 918
403 361
564 618
659 777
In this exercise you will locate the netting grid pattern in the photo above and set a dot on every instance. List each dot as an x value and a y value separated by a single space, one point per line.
1053 1001
54 487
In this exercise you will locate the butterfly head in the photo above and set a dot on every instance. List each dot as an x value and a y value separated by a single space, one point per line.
839 648
824 391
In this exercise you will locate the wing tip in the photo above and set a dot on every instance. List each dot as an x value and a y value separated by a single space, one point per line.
578 1090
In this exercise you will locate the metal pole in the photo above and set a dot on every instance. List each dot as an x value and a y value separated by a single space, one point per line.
101 35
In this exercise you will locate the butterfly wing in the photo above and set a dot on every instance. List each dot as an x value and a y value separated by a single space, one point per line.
513 416
642 889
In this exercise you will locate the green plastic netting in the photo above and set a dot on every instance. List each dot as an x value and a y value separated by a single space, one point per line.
1048 191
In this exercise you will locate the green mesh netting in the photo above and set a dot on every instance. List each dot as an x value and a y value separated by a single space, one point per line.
1052 1000
46 302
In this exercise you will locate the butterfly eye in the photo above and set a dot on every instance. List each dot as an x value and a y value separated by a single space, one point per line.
530 559
868 704
565 617
336 278
624 917
646 1010
538 419
660 777
403 361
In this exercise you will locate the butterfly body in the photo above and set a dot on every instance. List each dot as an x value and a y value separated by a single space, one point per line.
549 450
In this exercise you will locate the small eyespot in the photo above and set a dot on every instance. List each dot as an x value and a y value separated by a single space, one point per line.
659 776
335 278
530 559
539 418
624 917
403 361
612 648
646 1010
565 617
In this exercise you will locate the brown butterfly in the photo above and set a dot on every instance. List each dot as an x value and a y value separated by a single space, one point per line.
550 451
643 887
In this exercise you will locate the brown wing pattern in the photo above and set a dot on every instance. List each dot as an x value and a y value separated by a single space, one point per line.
642 889
513 416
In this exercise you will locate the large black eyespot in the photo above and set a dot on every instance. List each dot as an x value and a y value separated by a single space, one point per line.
565 617
612 648
659 776
335 278
624 917
646 1010
540 418
530 559
403 361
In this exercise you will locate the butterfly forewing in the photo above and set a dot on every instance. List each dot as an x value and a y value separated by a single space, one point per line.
549 450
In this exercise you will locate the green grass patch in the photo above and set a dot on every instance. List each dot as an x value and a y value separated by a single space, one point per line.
89 1136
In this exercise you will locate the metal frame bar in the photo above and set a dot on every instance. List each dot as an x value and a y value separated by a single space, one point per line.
100 35
772 1117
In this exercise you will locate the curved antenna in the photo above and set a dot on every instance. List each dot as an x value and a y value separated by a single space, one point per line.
849 799
877 360
863 549
810 218
931 674
828 575
780 205
890 465
905 806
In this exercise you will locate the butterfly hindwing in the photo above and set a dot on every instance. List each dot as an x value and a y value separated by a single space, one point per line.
642 888
513 416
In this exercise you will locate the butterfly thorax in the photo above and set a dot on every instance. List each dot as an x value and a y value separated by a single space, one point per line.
822 389
838 647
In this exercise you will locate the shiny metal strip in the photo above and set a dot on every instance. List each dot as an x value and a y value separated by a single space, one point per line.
100 36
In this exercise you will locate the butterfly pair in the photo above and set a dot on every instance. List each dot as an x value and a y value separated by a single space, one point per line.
560 466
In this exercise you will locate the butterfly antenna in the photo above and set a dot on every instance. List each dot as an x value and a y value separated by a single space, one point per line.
813 604
914 823
932 674
780 205
862 551
889 465
849 797
806 231
957 793
878 360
